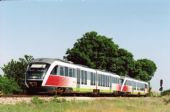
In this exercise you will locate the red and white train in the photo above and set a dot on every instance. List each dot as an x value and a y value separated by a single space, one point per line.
54 75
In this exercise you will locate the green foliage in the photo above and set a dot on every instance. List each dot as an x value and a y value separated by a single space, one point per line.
35 100
8 86
58 100
166 92
144 69
92 50
16 69
99 52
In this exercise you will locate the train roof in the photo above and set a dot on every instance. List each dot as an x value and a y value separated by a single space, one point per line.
132 79
49 60
43 60
52 60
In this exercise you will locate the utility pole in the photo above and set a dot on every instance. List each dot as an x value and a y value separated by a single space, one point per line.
161 85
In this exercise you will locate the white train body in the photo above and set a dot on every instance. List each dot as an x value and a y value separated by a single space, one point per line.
55 75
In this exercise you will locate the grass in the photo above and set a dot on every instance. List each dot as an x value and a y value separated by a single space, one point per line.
118 104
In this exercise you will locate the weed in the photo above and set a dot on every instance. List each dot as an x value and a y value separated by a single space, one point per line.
58 100
36 100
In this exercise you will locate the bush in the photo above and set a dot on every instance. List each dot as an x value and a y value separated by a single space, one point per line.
35 100
8 86
58 100
154 94
166 92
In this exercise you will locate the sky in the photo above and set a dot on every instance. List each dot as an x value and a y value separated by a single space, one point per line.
47 28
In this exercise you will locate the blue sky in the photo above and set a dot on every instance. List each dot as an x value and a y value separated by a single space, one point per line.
46 28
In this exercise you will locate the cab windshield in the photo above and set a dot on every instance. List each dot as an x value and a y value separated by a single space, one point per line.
37 71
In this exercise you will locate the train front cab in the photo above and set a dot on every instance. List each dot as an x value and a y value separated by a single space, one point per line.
34 77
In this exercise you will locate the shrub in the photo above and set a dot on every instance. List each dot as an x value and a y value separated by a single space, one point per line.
166 92
35 100
58 100
8 85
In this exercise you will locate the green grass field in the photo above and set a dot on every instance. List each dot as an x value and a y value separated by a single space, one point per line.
118 104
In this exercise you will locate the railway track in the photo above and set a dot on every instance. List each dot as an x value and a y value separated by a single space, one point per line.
20 98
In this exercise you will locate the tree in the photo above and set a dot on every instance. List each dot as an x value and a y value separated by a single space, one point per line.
100 52
93 50
145 69
8 85
124 62
16 69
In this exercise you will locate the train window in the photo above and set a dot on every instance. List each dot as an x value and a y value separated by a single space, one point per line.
71 72
54 71
74 73
61 71
101 80
134 87
85 73
143 87
140 86
78 76
104 80
116 80
112 79
82 77
66 71
108 81
98 79
94 82
128 83
93 78
121 81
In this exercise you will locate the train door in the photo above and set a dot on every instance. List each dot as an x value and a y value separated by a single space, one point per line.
78 79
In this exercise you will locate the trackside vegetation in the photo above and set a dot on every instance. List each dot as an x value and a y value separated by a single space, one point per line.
166 92
122 104
14 71
8 85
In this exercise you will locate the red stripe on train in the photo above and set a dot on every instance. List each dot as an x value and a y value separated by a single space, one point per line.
118 87
59 81
125 88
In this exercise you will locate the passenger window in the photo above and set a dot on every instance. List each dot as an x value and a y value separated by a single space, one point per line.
85 77
54 71
66 71
74 73
93 78
71 72
61 71
82 77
